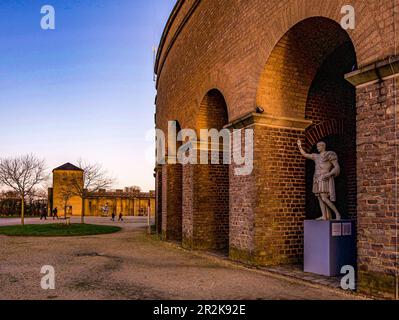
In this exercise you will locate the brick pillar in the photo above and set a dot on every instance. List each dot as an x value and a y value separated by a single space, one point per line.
158 199
188 205
206 206
172 202
242 204
268 206
376 178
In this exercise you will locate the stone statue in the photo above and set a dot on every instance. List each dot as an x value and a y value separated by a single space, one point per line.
326 169
105 210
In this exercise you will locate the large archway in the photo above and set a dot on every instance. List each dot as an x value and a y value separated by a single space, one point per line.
331 106
303 90
206 187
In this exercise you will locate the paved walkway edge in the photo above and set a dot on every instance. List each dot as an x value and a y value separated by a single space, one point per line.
276 275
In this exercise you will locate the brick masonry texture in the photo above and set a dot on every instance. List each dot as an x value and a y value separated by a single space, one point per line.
206 186
158 198
377 164
218 61
172 202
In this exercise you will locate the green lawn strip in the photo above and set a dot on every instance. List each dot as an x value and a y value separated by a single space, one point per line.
57 230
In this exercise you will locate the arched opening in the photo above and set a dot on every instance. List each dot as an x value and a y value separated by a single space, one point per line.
211 181
331 106
303 81
213 111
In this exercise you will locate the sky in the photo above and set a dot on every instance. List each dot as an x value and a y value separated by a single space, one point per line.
84 90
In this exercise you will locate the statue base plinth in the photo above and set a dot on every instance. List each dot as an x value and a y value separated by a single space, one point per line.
329 245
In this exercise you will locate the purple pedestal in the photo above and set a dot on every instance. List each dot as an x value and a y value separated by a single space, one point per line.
329 245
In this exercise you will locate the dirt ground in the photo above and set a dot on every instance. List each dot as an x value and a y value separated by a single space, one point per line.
130 265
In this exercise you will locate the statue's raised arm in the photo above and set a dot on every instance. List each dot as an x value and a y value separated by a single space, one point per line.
306 155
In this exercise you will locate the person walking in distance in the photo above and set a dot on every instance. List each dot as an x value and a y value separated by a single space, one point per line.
43 213
55 213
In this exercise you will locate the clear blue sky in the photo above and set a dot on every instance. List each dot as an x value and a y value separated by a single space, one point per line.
84 89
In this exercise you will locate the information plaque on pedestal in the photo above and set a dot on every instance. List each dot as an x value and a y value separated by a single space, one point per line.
329 245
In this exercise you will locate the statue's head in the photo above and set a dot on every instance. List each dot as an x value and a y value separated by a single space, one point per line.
321 146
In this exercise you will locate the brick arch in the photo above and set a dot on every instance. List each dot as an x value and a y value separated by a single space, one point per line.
368 36
237 42
331 106
218 81
327 128
212 111
236 38
293 64
206 186
303 81
339 138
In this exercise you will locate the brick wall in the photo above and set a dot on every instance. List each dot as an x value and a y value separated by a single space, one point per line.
205 56
206 186
206 206
172 201
377 197
280 203
158 198
235 46
188 205
242 215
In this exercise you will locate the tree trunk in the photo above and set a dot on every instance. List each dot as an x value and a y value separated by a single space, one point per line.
22 210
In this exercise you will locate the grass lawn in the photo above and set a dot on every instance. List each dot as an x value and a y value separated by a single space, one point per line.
56 230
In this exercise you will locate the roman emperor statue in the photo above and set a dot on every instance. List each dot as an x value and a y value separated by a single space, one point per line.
326 169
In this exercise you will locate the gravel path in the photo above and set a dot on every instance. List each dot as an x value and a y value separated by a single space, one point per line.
130 265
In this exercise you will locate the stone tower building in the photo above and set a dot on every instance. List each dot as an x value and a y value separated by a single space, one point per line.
288 70
63 198
129 202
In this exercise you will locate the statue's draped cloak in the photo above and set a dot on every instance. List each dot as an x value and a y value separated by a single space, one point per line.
324 186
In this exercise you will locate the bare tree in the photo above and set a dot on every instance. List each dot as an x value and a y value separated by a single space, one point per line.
94 179
133 189
22 174
66 192
40 192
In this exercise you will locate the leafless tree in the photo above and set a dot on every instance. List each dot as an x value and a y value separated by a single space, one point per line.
22 174
94 179
65 193
40 192
133 189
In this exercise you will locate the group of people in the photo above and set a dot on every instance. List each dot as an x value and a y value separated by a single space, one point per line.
54 214
114 216
44 213
105 210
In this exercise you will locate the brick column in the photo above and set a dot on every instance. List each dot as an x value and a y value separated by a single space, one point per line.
268 206
206 206
172 202
377 144
158 199
242 205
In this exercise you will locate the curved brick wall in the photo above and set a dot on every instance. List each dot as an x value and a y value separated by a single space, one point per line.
233 61
289 57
